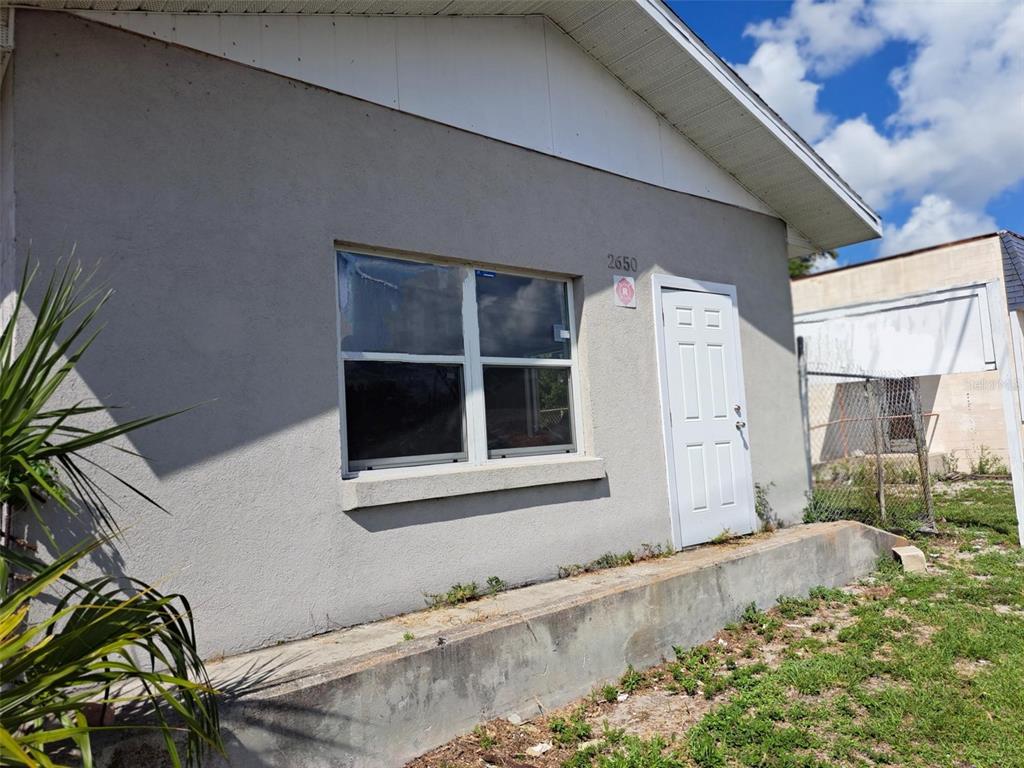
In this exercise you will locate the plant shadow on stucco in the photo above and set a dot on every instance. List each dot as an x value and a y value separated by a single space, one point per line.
140 321
287 720
66 532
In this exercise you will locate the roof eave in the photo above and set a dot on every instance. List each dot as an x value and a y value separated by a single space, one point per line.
726 75
718 112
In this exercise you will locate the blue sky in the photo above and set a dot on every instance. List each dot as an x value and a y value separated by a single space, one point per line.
917 105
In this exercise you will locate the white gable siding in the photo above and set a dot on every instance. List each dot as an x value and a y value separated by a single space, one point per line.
517 79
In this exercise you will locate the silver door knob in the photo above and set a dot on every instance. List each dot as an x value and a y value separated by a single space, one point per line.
740 424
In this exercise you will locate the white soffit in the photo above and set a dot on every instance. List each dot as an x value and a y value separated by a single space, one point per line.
644 45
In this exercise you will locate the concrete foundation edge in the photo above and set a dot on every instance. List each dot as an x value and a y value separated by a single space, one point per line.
385 713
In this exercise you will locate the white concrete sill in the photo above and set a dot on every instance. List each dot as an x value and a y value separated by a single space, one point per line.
395 486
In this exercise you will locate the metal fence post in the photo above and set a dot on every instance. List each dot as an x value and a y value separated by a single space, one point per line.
875 415
805 408
922 457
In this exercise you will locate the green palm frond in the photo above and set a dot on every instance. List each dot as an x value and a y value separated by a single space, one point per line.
41 446
101 647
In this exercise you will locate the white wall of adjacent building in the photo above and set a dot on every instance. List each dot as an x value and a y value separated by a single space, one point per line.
939 315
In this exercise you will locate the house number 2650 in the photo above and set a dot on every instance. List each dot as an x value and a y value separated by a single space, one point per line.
622 263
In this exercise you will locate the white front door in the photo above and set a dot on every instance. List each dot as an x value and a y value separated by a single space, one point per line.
709 451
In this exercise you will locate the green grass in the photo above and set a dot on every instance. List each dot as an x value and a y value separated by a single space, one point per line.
458 594
984 509
614 560
608 693
632 680
724 537
484 737
929 673
909 671
572 729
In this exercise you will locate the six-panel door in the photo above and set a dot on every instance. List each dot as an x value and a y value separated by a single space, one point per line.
711 455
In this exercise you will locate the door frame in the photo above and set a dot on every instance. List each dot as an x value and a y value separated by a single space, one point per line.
659 284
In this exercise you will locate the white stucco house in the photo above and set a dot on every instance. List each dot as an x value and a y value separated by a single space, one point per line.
464 287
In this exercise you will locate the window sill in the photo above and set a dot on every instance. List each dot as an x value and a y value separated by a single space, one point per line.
395 486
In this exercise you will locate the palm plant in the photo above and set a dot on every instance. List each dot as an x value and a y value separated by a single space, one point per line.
55 674
44 447
86 656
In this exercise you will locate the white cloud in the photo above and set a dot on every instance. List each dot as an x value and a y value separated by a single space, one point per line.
881 168
957 131
934 220
779 76
954 142
822 262
831 35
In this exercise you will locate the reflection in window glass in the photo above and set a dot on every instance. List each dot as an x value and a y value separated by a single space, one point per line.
522 316
407 410
390 305
527 408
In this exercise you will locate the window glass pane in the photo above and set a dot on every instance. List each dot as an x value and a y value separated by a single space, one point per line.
403 410
522 316
526 408
390 305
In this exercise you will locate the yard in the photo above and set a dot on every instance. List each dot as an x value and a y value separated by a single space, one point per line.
897 670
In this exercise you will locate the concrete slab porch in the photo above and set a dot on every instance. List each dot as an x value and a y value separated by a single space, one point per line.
365 696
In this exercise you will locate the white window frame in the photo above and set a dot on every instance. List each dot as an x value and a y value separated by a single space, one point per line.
474 413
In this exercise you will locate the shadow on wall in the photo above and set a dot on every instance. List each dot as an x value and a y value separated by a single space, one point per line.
393 516
222 350
928 389
272 719
849 430
221 251
69 532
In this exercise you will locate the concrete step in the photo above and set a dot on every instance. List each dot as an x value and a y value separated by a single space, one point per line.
366 697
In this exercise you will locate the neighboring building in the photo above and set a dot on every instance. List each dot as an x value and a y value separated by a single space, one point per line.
949 316
461 294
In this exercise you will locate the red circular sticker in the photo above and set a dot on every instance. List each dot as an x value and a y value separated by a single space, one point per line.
624 290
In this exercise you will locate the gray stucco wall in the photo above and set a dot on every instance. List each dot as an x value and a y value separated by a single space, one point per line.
214 195
8 269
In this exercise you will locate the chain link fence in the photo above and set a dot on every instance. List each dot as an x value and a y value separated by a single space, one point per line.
867 441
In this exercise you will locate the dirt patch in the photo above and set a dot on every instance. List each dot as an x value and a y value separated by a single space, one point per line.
877 683
978 549
920 634
659 707
1007 610
658 712
969 667
867 590
498 743
670 699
